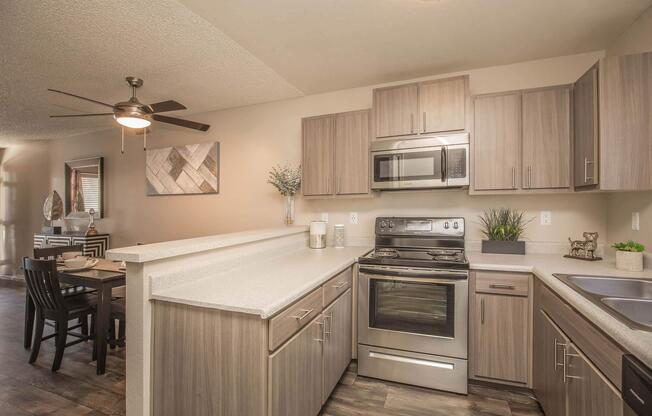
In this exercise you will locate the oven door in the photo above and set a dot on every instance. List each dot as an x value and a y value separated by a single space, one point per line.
421 167
414 310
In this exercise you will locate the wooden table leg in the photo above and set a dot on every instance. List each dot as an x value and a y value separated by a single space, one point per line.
102 325
30 310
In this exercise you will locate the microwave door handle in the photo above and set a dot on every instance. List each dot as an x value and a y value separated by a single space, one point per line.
444 163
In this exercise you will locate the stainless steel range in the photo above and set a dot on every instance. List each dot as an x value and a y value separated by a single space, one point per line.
413 305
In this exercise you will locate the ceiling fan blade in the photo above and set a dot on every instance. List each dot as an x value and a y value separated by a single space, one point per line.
81 98
181 122
82 115
169 105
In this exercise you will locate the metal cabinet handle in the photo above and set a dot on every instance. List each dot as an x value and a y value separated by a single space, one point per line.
411 123
566 376
557 345
306 312
529 176
513 178
329 319
587 162
482 311
424 122
498 286
340 285
322 335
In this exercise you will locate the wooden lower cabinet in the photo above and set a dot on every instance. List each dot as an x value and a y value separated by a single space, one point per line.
337 341
295 374
501 337
587 392
548 377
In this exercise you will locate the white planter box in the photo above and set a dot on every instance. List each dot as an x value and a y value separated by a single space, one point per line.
630 261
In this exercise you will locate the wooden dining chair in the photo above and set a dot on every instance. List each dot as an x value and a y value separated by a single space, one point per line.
43 287
117 331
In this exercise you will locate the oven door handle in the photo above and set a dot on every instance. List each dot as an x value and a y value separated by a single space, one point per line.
453 275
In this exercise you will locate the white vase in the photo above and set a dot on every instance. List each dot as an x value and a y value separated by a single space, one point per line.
629 261
289 209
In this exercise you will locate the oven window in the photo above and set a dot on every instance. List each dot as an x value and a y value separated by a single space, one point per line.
421 165
419 308
386 168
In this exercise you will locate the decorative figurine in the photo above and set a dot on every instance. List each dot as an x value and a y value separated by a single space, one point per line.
91 223
584 250
52 211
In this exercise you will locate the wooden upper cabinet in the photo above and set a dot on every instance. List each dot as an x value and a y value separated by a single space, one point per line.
442 105
626 122
497 141
585 125
588 393
546 138
501 337
352 153
317 166
395 110
547 375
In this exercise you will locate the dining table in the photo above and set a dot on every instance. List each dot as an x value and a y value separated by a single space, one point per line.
102 277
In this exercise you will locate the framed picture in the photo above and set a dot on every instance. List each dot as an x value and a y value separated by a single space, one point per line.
183 170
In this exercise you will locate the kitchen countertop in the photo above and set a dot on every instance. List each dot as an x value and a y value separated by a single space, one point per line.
636 341
265 287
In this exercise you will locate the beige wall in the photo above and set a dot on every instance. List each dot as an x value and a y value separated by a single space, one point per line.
254 138
23 188
638 38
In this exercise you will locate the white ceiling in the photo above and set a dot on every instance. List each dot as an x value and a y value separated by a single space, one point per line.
214 54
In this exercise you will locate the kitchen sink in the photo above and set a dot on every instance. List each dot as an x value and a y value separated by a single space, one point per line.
614 287
637 310
628 300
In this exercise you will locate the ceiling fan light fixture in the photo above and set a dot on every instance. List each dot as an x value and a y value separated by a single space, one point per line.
133 122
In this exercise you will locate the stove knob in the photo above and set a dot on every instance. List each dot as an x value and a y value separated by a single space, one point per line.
446 225
391 224
456 225
383 224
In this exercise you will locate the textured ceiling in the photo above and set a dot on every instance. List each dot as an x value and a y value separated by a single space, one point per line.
214 54
323 45
87 47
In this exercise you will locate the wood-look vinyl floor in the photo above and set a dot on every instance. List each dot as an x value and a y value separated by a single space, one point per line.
75 389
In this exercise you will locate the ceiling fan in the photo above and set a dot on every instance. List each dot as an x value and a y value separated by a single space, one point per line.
134 114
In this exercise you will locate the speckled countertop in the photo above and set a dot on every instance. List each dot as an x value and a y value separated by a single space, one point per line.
637 342
265 287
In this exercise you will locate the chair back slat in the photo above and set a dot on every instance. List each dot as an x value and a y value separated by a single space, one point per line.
43 284
46 253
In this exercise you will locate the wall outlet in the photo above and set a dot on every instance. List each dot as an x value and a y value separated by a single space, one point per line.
354 218
636 221
324 216
546 218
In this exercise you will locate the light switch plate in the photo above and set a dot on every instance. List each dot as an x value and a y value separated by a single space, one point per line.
636 221
546 218
324 216
354 218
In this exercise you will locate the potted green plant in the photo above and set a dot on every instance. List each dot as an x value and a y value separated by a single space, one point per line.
287 180
629 256
502 228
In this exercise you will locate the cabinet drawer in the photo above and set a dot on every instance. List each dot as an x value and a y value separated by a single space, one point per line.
502 283
288 322
337 285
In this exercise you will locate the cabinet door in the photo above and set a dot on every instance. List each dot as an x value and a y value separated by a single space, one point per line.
546 138
588 393
318 135
352 153
500 338
395 110
295 374
548 355
585 125
626 122
337 341
442 104
497 141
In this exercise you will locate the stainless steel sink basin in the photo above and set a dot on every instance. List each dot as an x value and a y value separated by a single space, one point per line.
636 310
628 300
614 287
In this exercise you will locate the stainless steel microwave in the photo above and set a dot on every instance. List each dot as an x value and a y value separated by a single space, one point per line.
432 162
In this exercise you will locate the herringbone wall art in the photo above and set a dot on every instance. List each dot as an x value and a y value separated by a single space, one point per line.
183 170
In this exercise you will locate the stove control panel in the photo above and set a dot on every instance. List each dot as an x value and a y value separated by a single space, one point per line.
415 226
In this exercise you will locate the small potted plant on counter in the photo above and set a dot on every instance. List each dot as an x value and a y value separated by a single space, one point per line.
287 180
503 227
629 256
